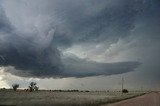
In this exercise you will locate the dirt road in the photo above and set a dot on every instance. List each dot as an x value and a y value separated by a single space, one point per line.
151 99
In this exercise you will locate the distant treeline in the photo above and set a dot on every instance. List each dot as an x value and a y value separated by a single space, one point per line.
74 90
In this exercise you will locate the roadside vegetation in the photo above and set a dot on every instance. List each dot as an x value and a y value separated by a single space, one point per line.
73 97
63 97
15 86
33 87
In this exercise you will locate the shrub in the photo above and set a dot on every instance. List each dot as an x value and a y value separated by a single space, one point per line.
124 91
15 86
36 88
33 86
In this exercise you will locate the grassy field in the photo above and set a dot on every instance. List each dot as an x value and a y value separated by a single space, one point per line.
50 98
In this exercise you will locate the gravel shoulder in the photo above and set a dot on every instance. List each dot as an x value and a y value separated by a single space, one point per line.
150 99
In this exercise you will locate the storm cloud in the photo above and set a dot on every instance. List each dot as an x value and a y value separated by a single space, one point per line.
35 35
28 53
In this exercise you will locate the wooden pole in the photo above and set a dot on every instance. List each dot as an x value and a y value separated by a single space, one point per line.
122 83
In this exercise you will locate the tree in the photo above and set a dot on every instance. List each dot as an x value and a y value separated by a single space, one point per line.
15 86
33 86
36 88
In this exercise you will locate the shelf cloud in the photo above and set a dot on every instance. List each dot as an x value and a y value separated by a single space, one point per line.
34 35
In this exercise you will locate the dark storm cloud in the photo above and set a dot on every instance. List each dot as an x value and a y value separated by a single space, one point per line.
83 21
5 25
23 52
112 20
149 21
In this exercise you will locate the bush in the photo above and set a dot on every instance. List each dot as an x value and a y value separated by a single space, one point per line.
33 86
124 91
36 88
15 86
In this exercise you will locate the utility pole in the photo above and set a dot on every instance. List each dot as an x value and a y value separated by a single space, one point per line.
141 88
122 83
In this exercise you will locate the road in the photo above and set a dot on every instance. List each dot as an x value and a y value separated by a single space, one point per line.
151 99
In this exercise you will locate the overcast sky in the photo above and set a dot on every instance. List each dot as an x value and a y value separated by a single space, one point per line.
80 44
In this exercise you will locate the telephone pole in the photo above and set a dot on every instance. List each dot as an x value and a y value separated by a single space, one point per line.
122 83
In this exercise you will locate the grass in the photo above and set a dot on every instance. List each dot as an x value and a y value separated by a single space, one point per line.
62 98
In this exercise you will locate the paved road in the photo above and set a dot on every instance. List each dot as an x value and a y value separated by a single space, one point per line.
151 99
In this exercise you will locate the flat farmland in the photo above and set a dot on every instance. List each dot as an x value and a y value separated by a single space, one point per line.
50 98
